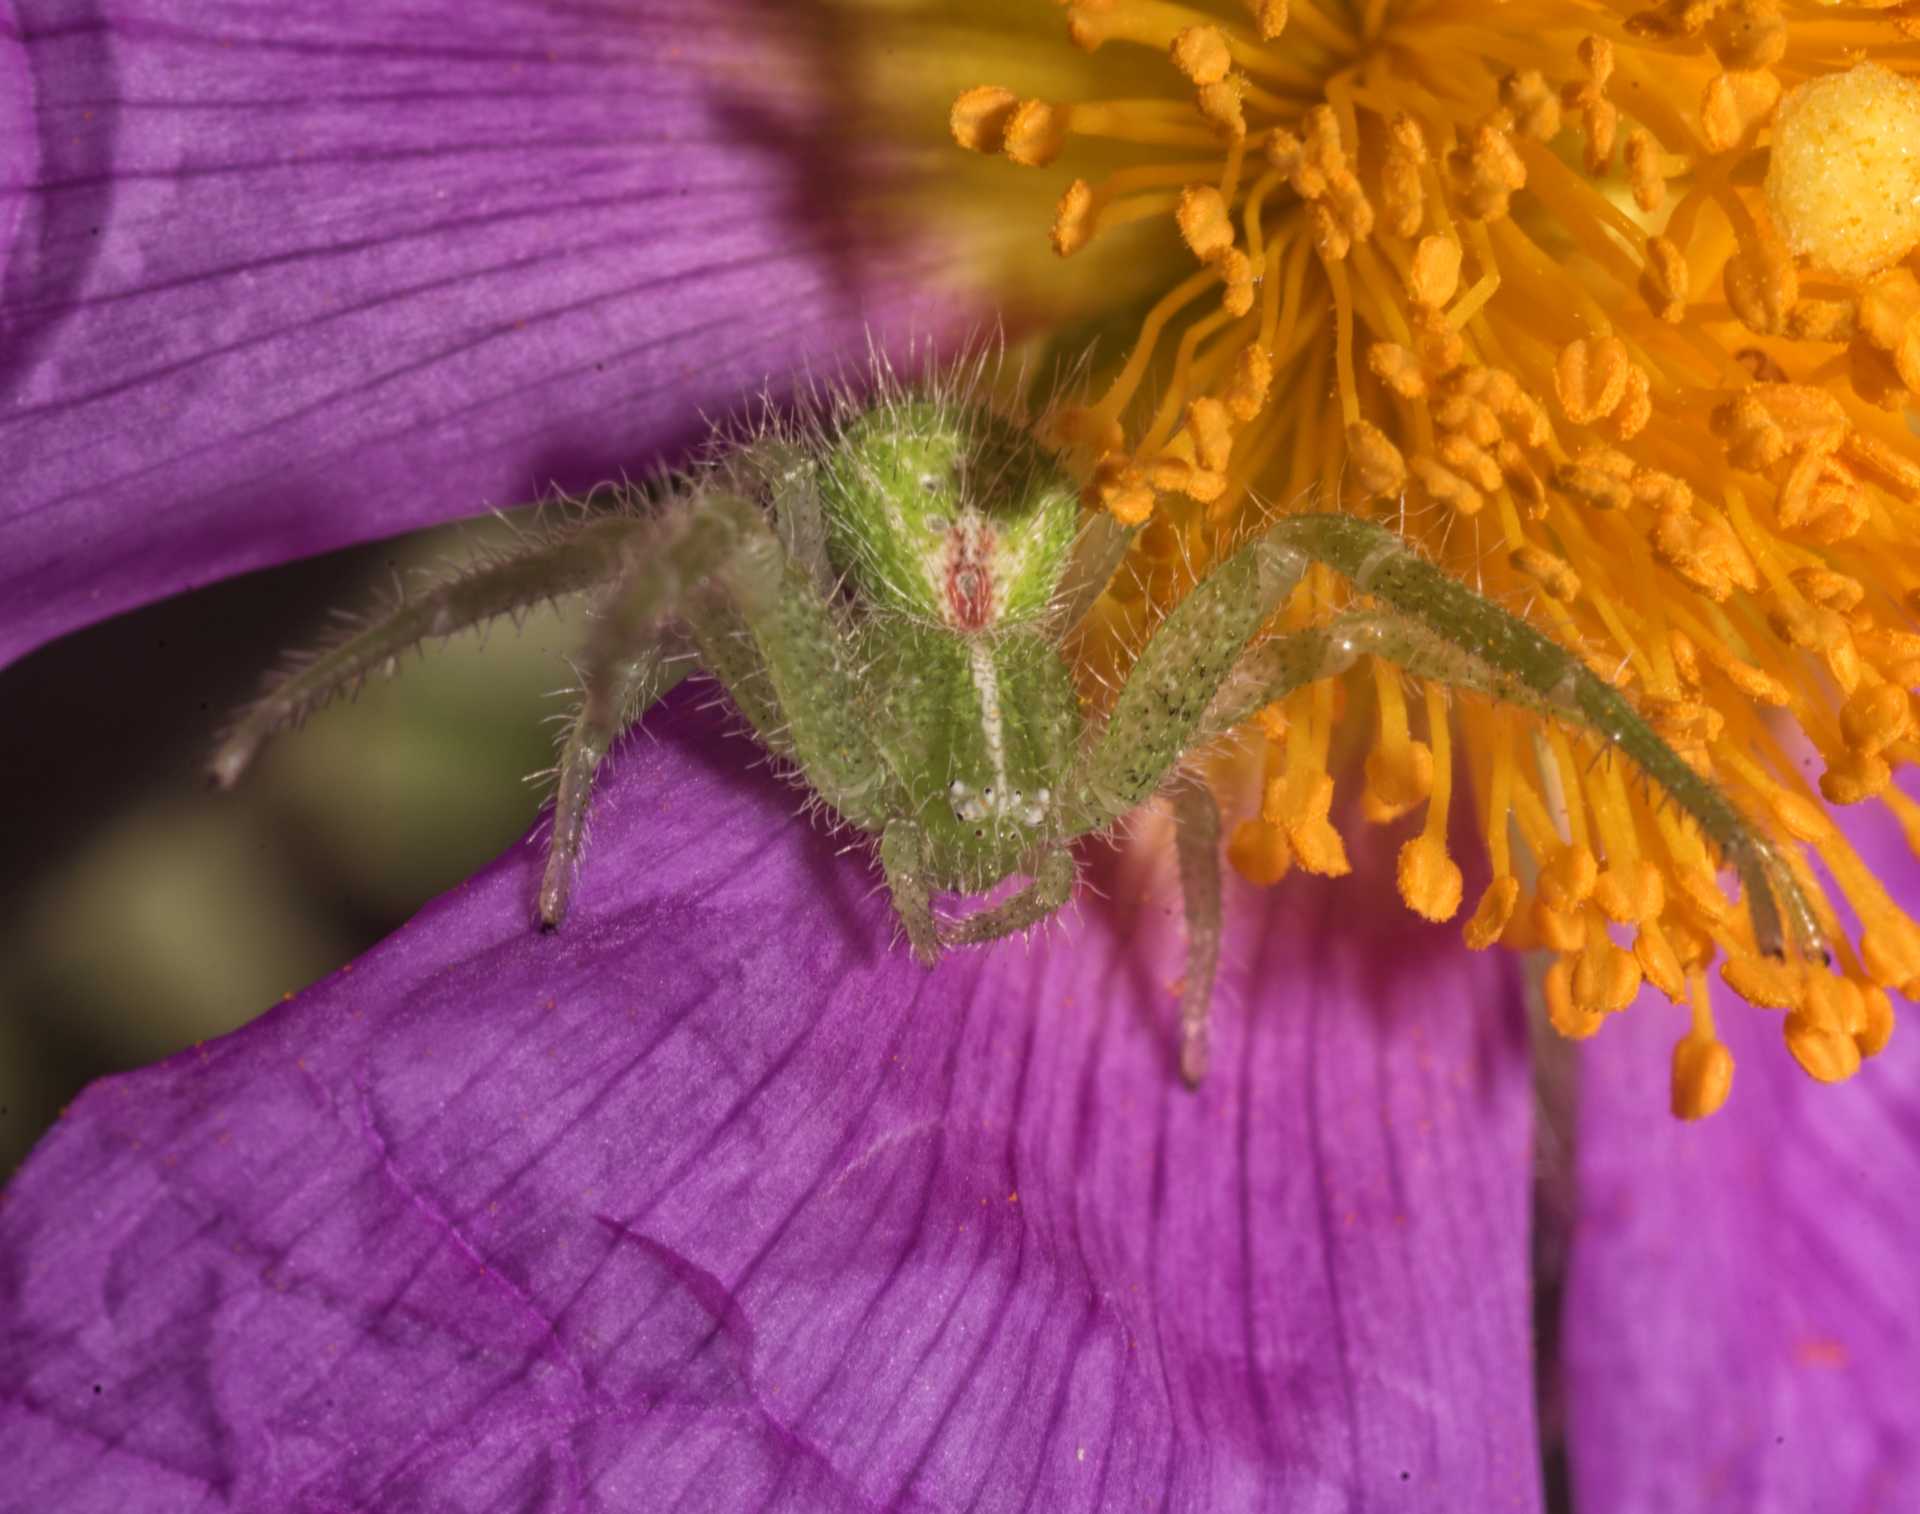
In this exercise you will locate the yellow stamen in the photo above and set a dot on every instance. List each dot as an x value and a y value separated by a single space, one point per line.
1430 880
1617 315
1702 1065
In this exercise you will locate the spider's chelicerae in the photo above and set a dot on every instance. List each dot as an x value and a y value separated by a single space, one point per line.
885 592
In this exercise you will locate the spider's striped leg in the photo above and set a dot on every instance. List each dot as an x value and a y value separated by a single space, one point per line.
621 677
1053 879
1196 820
577 561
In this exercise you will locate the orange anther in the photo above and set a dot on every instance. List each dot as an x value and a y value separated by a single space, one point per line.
1036 132
1630 894
1765 982
1205 224
1434 275
1398 369
1259 852
1252 379
1552 573
979 116
1073 219
1702 1077
1490 916
1590 378
1606 979
1429 879
1658 960
1667 280
1201 53
1877 715
1827 1054
1563 1013
1644 175
1377 466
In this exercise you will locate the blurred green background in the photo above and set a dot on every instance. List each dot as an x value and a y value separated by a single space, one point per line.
140 911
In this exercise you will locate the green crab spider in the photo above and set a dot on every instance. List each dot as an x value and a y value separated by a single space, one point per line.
885 593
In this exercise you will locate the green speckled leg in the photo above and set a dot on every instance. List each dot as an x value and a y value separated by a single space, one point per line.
832 726
1175 679
903 860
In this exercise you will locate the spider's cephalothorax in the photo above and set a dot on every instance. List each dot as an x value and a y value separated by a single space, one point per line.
886 593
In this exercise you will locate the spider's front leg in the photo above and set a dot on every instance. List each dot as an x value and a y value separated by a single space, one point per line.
1196 680
1156 721
1436 627
714 572
586 556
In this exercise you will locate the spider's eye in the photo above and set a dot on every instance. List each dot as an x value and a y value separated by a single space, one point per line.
939 525
930 482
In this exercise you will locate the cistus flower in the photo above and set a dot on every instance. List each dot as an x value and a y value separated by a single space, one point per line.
716 1201
1612 309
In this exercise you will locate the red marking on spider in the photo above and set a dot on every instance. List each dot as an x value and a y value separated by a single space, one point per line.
969 579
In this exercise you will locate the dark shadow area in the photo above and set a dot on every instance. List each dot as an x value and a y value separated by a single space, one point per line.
114 721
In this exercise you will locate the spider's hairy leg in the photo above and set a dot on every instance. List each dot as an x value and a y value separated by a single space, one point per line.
710 568
786 472
1436 627
582 558
903 858
1054 876
799 669
621 677
1167 692
1196 839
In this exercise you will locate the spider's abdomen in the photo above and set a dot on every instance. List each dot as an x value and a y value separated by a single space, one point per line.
988 727
941 510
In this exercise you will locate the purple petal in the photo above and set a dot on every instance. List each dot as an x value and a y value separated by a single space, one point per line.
715 1201
1742 1318
285 277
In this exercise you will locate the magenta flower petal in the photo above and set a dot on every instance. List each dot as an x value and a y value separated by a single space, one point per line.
276 279
1742 1316
717 1201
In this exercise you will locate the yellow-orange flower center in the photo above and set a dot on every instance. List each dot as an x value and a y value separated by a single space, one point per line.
1595 306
